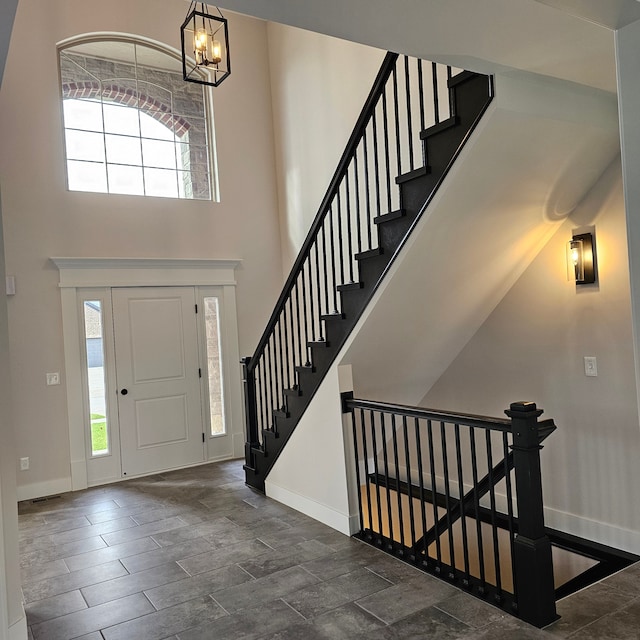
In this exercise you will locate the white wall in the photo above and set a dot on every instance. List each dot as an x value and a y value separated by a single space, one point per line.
312 472
12 619
318 86
532 347
42 219
538 149
628 51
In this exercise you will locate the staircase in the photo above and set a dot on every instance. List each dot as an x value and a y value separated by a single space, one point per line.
412 127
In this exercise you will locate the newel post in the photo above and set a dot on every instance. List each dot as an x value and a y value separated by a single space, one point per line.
533 567
250 412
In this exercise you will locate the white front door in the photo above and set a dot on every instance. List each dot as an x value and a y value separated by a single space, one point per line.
158 378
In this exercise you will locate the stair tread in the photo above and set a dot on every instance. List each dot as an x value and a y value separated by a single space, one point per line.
392 215
294 391
304 368
318 343
333 316
350 286
412 175
371 253
461 77
441 126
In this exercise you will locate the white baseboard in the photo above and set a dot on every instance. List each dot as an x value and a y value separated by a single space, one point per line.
42 489
341 522
601 532
18 630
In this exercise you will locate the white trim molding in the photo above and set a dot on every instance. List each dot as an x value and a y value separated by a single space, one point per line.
144 272
342 522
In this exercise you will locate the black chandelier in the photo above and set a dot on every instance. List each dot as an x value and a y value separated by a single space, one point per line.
205 46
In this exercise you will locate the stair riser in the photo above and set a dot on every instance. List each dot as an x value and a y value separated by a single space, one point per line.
371 269
392 233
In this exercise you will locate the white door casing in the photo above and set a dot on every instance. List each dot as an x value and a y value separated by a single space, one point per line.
158 382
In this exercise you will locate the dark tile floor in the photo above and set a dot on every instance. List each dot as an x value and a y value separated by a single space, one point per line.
194 554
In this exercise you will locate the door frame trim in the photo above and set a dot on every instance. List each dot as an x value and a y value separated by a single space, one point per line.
78 273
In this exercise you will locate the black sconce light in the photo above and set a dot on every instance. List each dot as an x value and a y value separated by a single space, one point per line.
205 46
581 259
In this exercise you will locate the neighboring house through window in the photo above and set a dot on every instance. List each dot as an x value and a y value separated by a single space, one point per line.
132 124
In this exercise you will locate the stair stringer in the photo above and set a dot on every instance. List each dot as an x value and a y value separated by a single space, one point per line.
565 126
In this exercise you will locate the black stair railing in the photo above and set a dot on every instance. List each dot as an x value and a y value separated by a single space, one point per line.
413 125
459 496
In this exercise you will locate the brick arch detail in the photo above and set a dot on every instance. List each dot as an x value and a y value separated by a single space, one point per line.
128 97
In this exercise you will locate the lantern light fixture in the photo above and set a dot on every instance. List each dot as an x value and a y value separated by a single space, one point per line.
581 259
204 37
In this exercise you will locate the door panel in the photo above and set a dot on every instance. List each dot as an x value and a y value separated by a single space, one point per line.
158 378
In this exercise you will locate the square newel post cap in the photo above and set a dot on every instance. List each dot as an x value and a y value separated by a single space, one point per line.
523 409
524 424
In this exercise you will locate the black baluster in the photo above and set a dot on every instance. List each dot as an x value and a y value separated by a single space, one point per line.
407 462
407 81
494 526
366 462
305 320
396 115
377 471
436 96
356 179
318 290
270 404
386 147
286 346
367 190
397 476
421 92
385 462
376 164
349 223
476 503
510 518
340 238
447 498
434 498
463 515
355 452
333 261
324 267
423 514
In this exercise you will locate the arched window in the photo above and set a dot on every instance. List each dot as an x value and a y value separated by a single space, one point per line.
132 124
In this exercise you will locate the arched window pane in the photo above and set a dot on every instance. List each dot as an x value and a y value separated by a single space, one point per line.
127 102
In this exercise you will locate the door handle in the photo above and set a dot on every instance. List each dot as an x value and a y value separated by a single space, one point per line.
124 392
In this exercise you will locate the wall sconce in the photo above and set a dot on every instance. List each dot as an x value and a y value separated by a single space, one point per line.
205 46
581 259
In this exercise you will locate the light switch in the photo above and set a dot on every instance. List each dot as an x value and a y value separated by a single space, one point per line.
590 366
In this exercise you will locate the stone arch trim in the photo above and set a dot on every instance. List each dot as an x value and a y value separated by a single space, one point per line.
115 93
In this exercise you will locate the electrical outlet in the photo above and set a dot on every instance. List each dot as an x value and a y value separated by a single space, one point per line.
24 464
53 378
590 366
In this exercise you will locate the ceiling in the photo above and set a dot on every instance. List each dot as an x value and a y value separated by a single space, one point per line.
488 36
571 40
612 14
